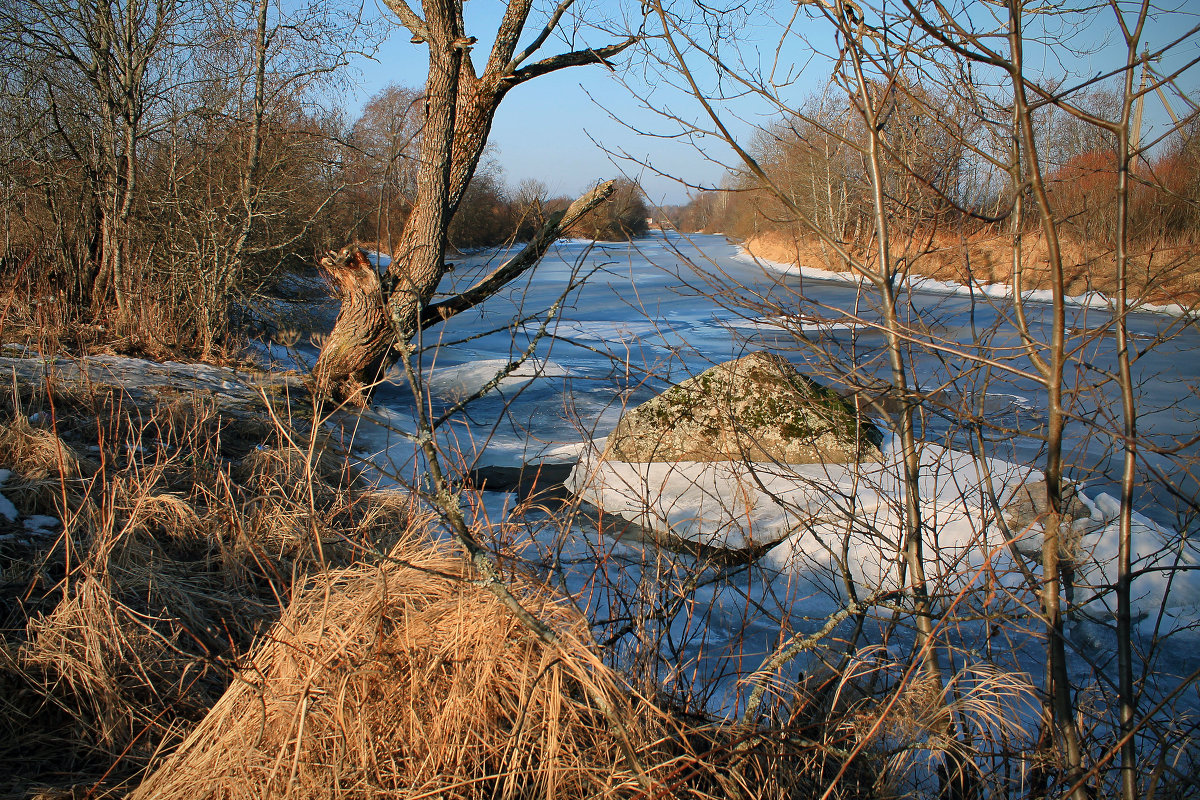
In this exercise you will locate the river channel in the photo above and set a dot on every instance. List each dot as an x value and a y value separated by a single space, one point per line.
630 319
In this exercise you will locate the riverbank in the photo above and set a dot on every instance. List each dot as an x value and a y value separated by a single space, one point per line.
333 651
1164 280
197 585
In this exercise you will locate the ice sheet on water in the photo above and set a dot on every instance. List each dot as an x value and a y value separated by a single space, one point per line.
384 442
812 511
379 260
516 451
463 380
603 330
798 323
275 356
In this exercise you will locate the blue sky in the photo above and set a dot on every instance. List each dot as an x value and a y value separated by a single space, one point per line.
552 128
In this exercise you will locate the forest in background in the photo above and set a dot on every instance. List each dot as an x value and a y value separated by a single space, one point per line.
950 204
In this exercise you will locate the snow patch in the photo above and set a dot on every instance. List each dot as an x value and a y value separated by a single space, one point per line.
40 524
813 515
7 509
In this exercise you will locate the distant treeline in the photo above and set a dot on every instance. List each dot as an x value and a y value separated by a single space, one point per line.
937 174
382 174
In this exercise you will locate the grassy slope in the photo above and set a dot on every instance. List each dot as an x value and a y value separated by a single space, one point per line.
1161 274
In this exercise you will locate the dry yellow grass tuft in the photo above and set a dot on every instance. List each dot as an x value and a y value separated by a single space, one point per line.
405 679
119 630
37 453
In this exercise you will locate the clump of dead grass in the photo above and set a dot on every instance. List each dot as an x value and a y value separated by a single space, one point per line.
38 453
406 678
121 630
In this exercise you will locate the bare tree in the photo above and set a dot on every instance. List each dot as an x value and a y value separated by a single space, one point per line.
460 104
951 128
382 163
112 52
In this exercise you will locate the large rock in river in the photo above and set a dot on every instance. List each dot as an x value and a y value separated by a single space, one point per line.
756 408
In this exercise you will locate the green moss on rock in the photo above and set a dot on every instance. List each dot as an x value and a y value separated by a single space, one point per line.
756 408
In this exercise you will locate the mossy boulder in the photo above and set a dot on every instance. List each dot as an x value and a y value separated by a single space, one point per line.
756 408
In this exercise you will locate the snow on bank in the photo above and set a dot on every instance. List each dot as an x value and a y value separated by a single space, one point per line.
7 509
36 526
132 374
816 516
918 283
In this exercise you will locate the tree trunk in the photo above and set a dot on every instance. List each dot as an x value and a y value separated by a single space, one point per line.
460 106
358 349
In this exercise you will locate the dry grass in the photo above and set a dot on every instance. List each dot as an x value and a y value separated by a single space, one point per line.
405 679
1160 272
225 613
123 627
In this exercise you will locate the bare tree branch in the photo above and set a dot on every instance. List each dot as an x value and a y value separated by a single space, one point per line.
561 9
410 19
573 59
522 262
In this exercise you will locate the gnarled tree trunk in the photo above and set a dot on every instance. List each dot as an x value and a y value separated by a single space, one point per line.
357 350
460 106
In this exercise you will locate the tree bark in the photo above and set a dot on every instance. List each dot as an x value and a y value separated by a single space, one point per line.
358 349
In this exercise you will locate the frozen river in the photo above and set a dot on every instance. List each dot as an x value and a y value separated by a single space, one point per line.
601 327
632 319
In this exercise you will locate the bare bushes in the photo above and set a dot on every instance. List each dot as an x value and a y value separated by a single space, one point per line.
624 216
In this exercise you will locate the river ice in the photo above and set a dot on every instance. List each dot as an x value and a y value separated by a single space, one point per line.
646 319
